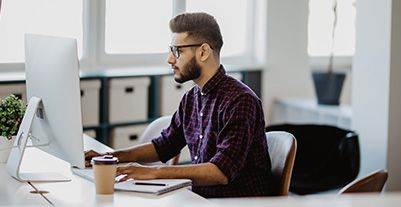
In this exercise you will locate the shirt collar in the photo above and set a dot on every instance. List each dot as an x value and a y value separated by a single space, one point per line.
214 81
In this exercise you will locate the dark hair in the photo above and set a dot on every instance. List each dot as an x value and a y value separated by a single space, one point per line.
200 27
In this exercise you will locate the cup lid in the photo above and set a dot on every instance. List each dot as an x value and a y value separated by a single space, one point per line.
104 160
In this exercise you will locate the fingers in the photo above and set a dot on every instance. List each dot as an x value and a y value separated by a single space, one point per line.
88 156
123 178
123 170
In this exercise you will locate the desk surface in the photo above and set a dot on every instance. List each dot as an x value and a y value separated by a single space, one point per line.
13 192
332 200
78 192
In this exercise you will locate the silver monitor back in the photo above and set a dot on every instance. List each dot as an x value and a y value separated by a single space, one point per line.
52 74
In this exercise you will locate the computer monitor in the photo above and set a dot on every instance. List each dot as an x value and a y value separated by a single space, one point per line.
53 117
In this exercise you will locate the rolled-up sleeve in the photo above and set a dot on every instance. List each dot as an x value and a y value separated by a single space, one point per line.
235 140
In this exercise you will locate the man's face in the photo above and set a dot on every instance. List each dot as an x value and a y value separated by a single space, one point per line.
185 66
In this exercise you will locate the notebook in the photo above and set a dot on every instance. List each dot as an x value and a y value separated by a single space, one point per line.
155 186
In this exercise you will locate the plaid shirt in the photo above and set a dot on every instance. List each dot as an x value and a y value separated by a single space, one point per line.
222 123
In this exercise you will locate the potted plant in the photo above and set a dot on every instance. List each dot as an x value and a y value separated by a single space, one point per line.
328 85
11 113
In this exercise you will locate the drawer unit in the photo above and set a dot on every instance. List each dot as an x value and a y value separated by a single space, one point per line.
18 89
90 102
171 94
90 132
128 99
123 137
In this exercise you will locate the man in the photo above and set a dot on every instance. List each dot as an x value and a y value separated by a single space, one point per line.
220 119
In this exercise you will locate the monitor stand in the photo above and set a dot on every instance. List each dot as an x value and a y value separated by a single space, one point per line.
17 151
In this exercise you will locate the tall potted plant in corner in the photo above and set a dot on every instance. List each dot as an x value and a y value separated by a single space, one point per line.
328 85
11 113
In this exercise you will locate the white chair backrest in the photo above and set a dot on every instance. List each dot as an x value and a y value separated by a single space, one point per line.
155 128
282 148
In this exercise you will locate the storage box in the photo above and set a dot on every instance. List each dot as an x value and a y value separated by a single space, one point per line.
128 99
90 102
171 94
90 132
18 89
123 137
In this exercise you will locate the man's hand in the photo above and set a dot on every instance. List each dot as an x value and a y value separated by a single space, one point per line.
88 157
136 171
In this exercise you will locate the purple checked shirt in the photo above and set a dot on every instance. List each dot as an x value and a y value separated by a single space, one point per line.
223 124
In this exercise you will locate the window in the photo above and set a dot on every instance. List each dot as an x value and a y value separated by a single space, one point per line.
137 27
320 26
137 32
50 17
122 32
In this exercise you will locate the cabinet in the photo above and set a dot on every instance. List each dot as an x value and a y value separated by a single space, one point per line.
90 90
18 89
171 94
117 104
128 99
123 137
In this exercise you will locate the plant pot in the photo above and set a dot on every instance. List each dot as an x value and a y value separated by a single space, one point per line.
328 87
5 148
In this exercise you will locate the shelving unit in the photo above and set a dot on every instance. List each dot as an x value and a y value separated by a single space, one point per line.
156 82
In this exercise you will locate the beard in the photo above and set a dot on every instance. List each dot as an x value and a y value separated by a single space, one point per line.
190 71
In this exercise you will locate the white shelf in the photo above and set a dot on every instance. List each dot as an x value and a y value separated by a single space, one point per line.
307 111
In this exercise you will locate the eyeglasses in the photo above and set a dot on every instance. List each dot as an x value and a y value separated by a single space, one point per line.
175 49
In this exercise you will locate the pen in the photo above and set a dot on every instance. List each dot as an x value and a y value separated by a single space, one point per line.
155 184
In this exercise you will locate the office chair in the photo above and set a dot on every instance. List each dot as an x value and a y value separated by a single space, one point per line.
282 149
327 157
153 130
374 182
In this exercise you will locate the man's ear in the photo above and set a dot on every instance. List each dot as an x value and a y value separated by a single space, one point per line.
205 52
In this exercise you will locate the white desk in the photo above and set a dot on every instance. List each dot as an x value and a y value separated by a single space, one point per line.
78 192
13 192
332 200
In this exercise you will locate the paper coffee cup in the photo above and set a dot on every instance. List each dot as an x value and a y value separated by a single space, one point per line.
104 168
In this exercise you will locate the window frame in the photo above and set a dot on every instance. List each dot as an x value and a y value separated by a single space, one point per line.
179 6
93 48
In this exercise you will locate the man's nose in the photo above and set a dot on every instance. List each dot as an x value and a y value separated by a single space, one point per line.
171 58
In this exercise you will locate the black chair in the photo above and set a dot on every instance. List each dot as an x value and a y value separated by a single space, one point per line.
327 157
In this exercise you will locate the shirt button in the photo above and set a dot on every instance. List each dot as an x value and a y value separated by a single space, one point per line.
201 114
200 136
196 157
202 94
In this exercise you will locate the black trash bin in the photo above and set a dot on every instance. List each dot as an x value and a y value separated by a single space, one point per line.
327 157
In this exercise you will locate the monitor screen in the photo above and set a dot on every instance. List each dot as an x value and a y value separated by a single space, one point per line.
53 118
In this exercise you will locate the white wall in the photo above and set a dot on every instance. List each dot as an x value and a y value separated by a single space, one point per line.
375 100
394 129
288 72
